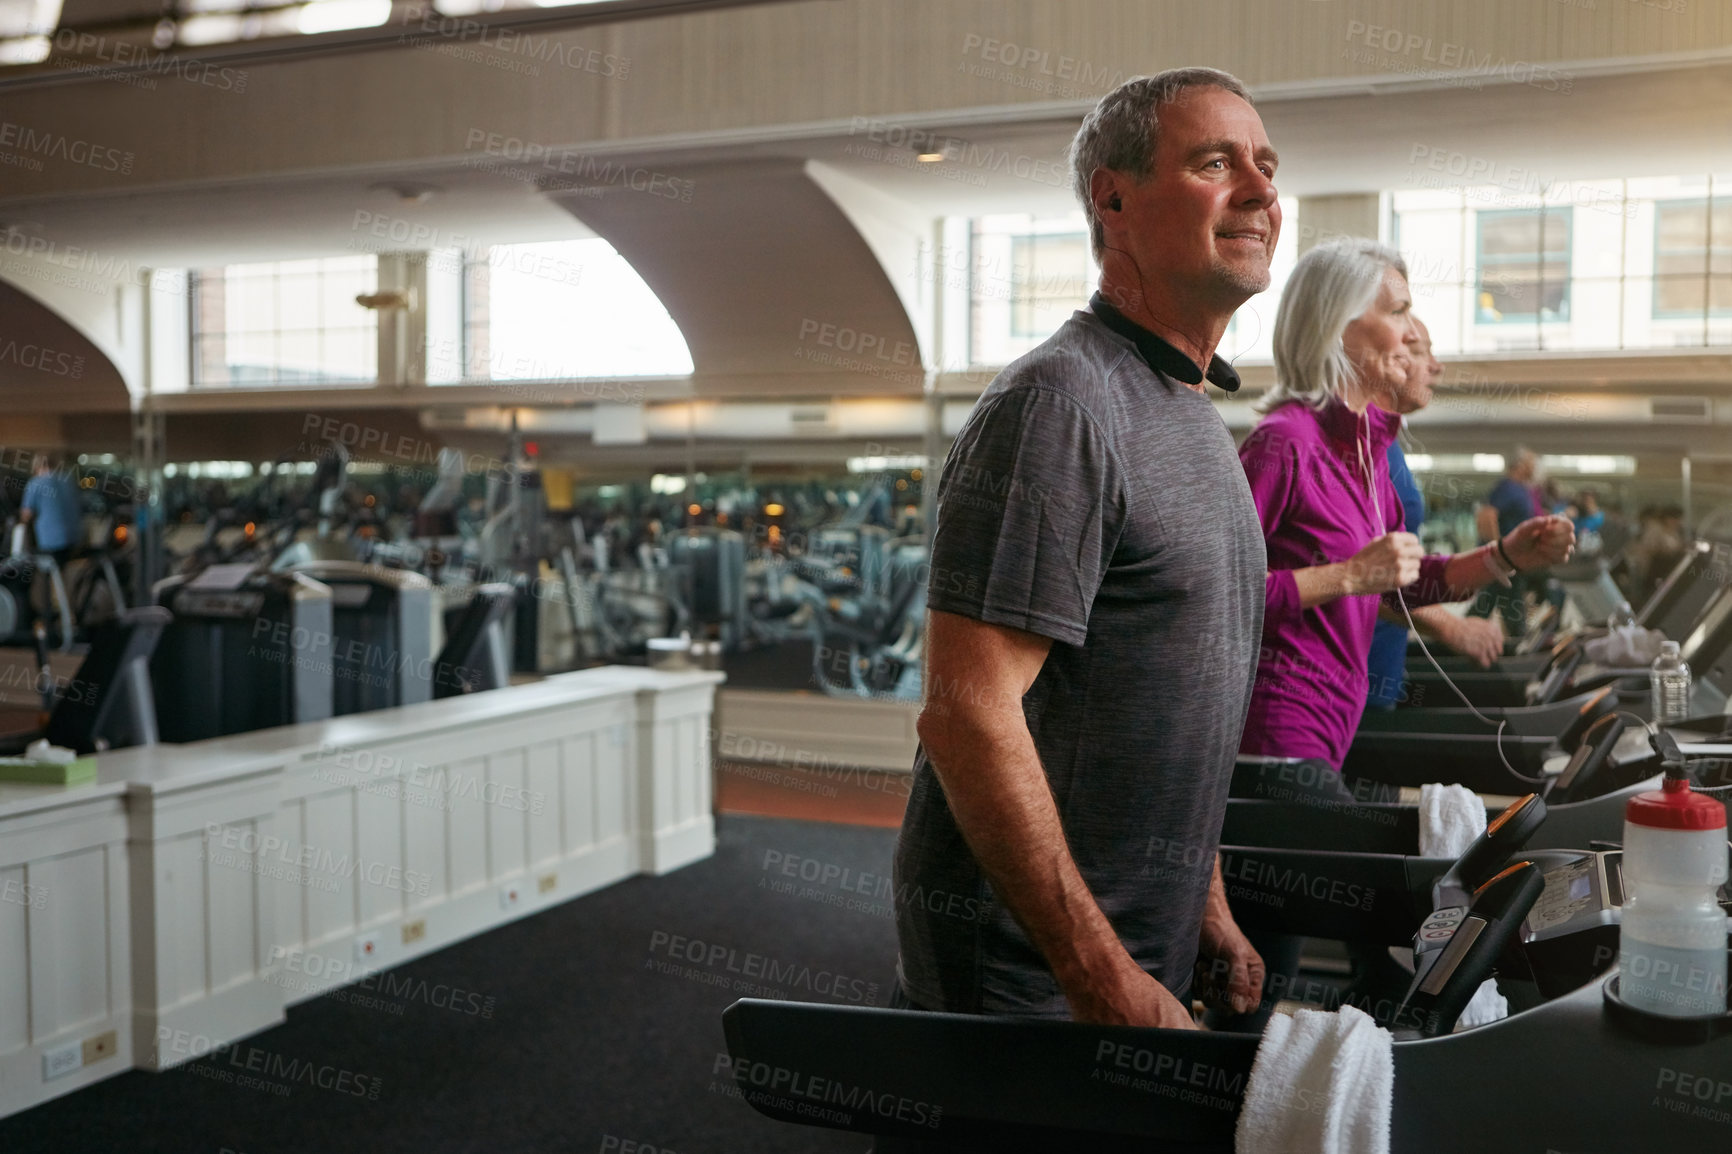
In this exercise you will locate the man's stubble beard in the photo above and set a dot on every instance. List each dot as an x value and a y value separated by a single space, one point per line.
1239 279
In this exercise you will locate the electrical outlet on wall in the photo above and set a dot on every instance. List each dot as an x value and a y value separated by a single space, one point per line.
509 896
414 931
367 948
61 1061
546 882
104 1045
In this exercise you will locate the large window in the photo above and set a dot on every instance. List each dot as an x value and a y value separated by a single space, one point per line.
1048 276
1693 258
1524 266
1628 263
553 311
1027 275
290 322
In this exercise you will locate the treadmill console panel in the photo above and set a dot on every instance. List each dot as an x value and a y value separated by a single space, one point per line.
217 603
1582 891
1570 937
1567 938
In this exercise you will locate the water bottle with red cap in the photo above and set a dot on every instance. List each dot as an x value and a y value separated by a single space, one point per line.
1672 944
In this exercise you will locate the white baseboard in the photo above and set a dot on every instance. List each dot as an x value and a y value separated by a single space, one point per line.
164 1039
22 1084
673 848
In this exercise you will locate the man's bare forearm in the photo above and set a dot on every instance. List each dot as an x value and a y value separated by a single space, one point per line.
998 793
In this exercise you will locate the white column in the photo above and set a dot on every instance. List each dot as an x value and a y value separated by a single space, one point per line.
676 822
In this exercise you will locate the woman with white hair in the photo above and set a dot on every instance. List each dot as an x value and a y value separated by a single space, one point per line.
1332 521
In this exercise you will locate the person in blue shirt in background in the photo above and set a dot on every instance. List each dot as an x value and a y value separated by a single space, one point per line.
1478 638
1511 501
52 510
1586 512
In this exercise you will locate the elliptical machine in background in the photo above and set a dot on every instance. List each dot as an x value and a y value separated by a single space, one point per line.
478 655
313 529
18 573
585 607
850 591
713 562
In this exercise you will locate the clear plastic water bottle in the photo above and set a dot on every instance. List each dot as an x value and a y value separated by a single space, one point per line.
1669 682
1672 940
1621 617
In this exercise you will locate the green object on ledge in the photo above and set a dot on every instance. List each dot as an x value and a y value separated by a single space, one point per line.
47 772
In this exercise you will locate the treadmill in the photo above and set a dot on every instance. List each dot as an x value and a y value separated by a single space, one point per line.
246 650
1573 1068
1410 747
1543 678
1603 758
1440 745
382 634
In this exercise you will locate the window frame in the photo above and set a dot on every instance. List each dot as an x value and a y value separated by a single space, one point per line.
1020 301
1707 309
1482 266
199 280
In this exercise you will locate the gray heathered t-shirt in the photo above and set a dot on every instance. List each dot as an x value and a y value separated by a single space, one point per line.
1097 501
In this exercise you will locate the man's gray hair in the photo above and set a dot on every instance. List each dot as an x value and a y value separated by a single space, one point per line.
1121 131
1330 286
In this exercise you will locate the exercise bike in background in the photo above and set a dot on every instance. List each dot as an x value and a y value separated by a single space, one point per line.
858 597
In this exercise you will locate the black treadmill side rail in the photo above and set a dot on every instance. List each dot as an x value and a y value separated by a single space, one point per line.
1363 897
1002 1083
1561 1076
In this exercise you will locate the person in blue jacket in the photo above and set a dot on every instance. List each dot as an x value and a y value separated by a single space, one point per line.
1476 637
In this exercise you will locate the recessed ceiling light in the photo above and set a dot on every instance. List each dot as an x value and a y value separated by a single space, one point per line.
929 157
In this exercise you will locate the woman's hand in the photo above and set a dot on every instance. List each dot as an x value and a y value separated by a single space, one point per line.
1540 542
1389 562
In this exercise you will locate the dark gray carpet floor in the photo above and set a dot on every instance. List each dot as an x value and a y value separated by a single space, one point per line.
585 1045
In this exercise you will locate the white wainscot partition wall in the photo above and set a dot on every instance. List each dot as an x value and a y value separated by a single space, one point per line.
269 867
65 976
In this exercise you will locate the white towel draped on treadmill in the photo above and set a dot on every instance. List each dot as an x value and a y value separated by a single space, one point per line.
1450 817
1323 1083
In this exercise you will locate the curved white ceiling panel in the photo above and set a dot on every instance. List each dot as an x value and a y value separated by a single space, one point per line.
762 271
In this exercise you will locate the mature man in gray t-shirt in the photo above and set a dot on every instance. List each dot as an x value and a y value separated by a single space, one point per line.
1096 598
